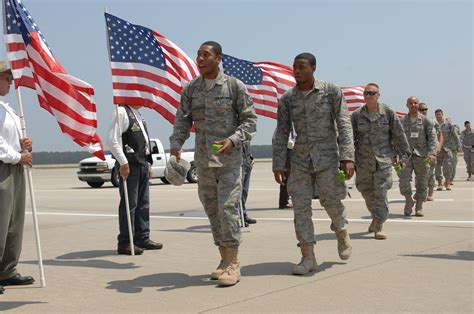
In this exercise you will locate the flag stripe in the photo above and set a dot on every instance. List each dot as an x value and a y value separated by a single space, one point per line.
33 65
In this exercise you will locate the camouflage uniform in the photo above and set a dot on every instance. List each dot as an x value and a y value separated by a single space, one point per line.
445 156
421 136
467 140
316 154
431 175
223 111
378 138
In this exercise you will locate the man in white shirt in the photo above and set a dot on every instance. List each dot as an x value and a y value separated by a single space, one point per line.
15 152
130 145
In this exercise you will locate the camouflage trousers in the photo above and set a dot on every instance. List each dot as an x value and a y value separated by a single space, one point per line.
219 191
331 191
467 159
415 164
444 162
373 184
431 176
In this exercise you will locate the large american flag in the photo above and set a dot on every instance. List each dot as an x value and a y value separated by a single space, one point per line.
33 65
147 68
267 81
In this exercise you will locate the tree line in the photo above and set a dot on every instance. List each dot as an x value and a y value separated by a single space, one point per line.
46 158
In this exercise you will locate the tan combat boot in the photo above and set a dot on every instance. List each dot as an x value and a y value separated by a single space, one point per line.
372 226
419 208
409 202
440 186
430 194
308 261
447 185
222 265
231 274
379 235
344 247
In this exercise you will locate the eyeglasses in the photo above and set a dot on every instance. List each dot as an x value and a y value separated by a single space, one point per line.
370 93
423 109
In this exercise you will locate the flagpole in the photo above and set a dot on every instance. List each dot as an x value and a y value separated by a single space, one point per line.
29 179
124 181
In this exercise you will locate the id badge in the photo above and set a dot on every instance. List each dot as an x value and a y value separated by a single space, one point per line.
414 135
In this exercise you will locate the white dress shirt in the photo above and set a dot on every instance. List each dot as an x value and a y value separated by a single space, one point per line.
120 126
10 134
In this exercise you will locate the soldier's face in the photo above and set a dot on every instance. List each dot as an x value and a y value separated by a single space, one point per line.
412 104
5 81
439 116
423 110
208 62
371 94
303 71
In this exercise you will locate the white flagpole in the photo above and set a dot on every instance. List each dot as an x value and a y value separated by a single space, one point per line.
29 179
124 181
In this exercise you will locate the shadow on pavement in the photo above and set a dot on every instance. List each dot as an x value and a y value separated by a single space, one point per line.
354 236
9 305
85 259
280 268
459 256
164 282
391 216
193 229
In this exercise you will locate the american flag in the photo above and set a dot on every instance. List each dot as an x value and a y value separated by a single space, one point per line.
147 69
33 65
267 81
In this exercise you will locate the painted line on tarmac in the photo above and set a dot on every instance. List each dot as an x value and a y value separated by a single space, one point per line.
394 199
408 220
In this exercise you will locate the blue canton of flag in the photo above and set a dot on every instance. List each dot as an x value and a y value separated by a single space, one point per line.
245 71
133 43
19 21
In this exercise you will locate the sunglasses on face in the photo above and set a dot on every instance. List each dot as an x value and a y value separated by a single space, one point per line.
423 109
370 93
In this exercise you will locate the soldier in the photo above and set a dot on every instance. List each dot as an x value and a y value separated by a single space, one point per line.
451 145
223 114
423 109
378 138
467 140
319 114
421 136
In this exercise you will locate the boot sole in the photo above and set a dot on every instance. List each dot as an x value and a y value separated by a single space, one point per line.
227 283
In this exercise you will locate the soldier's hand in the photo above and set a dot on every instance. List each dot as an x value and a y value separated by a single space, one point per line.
26 159
227 148
280 176
348 166
176 153
432 158
124 171
394 161
150 171
26 143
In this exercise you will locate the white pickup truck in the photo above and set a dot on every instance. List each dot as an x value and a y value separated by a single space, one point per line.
95 171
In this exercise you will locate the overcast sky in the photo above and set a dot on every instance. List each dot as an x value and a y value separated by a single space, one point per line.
421 48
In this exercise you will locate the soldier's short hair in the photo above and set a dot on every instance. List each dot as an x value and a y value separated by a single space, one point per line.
216 47
466 123
307 56
422 104
373 84
438 110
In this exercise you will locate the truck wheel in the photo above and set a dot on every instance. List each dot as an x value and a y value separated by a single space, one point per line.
192 175
163 179
95 184
115 178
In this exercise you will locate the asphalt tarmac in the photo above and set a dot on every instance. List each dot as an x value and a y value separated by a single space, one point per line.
425 265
